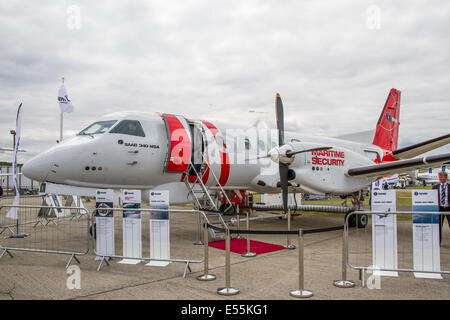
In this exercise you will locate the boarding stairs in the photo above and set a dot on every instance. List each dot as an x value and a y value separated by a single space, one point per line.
204 198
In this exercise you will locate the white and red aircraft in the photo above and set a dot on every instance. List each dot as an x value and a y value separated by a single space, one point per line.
430 177
135 150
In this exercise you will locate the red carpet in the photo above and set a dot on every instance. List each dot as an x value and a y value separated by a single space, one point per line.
240 246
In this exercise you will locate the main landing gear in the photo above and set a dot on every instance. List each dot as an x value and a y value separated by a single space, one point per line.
357 220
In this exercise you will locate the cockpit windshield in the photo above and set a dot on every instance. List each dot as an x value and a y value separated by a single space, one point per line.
97 127
130 127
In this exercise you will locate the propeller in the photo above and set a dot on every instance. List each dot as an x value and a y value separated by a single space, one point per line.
275 152
283 153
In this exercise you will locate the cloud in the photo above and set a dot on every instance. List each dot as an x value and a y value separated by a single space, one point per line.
216 60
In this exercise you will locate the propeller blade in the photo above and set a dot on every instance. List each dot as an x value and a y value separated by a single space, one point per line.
290 154
280 120
284 185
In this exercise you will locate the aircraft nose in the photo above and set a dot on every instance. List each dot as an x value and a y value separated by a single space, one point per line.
37 168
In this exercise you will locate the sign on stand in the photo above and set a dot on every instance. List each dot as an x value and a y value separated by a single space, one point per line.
104 202
426 234
159 228
384 232
132 226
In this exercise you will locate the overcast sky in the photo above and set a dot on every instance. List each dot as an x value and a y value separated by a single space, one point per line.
333 62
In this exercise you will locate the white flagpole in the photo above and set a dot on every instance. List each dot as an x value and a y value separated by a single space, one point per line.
61 127
61 121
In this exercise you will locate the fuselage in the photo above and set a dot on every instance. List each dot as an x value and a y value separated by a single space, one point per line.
118 159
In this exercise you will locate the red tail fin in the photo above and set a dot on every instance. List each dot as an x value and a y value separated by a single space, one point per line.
386 135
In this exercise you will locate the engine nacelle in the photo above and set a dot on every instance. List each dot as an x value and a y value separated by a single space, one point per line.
325 171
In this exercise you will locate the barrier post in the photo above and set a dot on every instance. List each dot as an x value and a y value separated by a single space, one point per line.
238 222
344 283
301 292
248 254
227 290
288 244
206 276
199 241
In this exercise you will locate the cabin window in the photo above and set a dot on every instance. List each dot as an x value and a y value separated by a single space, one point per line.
97 127
130 127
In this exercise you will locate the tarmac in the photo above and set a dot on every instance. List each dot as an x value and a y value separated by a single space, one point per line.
269 276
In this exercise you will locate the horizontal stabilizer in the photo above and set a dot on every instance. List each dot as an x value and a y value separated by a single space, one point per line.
400 166
420 148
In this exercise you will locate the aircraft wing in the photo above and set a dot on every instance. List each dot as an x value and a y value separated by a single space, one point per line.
422 147
399 166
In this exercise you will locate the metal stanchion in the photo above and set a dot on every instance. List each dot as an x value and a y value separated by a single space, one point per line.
344 283
238 222
288 244
199 241
206 276
227 291
301 292
248 254
362 277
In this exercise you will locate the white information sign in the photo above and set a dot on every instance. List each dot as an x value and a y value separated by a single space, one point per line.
132 226
426 234
104 220
159 228
384 232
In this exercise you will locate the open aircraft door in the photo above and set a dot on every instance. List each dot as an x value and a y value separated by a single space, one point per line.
180 142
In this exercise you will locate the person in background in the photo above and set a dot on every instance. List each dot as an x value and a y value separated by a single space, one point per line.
443 199
1 191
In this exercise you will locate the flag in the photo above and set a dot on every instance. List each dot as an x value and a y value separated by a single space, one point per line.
12 214
64 103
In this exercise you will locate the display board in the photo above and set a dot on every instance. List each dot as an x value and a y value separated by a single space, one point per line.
384 232
104 219
159 228
426 254
132 226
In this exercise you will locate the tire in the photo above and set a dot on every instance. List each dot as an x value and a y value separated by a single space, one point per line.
230 211
351 220
362 219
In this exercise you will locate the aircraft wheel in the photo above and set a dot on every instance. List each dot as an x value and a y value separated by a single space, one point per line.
230 211
362 219
351 220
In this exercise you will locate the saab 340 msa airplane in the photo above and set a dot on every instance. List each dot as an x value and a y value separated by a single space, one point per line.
194 159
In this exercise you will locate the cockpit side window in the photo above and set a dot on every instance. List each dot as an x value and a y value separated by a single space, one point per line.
130 127
98 127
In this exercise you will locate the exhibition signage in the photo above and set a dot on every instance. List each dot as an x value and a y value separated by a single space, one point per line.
12 213
384 232
104 222
159 228
132 243
426 255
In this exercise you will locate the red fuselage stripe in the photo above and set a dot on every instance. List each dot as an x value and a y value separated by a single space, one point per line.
224 157
180 145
